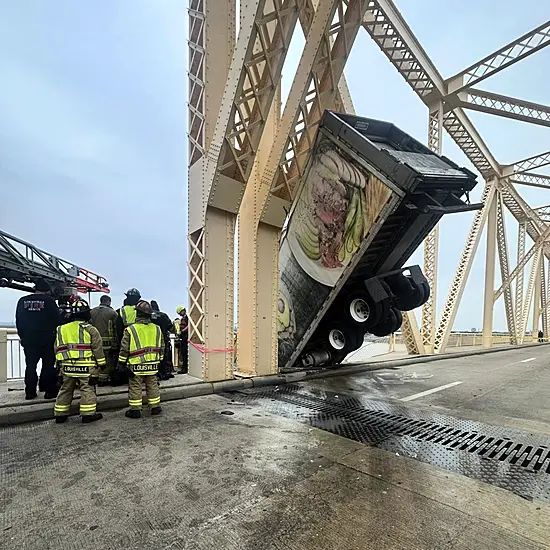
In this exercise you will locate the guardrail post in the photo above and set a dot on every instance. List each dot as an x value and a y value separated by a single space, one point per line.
3 355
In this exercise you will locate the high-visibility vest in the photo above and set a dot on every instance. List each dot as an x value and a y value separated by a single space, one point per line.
145 348
177 327
128 315
74 349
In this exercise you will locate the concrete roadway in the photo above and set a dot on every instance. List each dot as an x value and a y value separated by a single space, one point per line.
196 478
512 386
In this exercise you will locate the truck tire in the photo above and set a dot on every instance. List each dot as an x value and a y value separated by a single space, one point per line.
362 309
408 295
389 325
342 338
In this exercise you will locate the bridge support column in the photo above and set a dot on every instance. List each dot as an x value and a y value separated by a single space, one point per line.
490 257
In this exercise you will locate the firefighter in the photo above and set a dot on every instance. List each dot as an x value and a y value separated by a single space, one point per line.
127 313
37 318
79 354
103 318
163 321
182 328
141 351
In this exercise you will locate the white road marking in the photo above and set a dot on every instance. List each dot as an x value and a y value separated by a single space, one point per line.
429 392
528 360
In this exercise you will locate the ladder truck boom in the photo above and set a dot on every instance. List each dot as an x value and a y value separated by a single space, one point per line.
22 263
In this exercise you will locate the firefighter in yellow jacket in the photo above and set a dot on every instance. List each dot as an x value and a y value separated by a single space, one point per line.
141 351
79 354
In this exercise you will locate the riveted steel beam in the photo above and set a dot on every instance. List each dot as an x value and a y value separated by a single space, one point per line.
515 51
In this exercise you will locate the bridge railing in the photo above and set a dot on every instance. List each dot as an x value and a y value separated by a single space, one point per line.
472 339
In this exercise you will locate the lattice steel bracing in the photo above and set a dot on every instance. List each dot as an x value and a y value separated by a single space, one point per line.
459 282
254 75
535 270
502 244
496 104
315 88
196 285
513 52
196 81
522 228
545 295
533 180
532 163
431 244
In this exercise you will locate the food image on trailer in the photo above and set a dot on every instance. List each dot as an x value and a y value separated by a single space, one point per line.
336 206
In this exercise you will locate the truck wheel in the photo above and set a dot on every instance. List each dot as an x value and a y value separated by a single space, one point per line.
342 339
361 310
389 325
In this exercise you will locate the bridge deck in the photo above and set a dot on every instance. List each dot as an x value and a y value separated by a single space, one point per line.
201 478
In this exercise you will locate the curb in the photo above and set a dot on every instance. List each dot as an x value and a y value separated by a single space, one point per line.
26 413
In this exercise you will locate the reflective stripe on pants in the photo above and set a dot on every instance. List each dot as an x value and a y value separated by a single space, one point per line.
88 398
152 391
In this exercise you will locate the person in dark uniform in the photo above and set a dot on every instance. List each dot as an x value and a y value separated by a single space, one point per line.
37 318
162 320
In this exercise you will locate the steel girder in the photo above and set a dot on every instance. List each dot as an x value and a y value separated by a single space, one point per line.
543 297
515 51
496 104
431 243
314 89
522 229
502 243
532 180
531 163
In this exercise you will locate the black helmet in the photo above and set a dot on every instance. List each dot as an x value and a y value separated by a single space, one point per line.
134 292
80 306
41 285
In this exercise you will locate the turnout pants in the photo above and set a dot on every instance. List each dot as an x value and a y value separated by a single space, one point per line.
88 398
48 376
152 391
109 372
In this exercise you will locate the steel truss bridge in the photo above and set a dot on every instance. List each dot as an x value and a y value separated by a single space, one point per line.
246 155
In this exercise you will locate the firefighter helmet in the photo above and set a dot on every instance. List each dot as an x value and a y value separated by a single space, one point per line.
180 309
144 307
80 306
133 292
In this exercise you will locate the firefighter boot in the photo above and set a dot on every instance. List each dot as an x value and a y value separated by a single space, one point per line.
87 418
156 410
61 419
133 413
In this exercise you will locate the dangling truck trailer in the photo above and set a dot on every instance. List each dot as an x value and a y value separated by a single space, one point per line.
369 196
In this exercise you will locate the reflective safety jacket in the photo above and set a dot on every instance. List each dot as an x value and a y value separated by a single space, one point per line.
142 347
128 315
79 349
177 326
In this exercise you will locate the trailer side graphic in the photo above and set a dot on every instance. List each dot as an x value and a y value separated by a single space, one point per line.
369 196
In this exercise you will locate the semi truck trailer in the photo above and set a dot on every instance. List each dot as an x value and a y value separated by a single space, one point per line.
369 195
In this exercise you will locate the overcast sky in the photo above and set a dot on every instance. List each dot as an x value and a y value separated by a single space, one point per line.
93 129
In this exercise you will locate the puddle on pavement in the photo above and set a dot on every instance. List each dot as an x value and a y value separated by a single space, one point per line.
394 378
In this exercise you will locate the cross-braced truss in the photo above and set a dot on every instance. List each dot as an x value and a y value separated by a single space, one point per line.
229 110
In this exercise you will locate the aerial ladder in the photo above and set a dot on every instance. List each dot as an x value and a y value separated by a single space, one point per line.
22 263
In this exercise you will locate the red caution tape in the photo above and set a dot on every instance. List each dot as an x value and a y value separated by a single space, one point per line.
204 349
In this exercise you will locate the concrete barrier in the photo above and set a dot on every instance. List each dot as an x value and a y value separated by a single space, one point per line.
30 412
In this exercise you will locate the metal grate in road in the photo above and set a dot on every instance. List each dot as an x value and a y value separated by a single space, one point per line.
511 459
